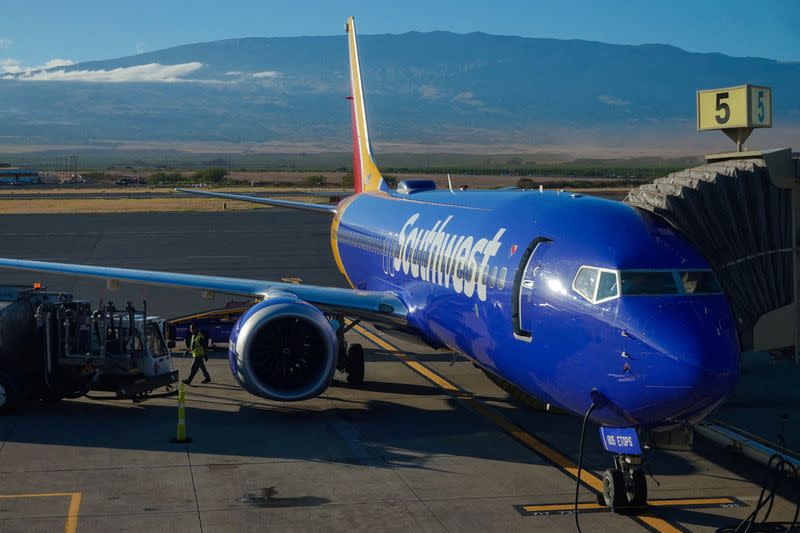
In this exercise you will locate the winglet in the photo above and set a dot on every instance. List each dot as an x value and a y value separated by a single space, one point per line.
366 176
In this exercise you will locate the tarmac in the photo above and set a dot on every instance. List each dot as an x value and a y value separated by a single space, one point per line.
426 444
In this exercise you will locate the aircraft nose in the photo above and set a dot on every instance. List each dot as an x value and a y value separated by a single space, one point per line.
689 363
706 379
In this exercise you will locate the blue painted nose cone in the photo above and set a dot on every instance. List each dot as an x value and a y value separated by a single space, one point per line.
688 361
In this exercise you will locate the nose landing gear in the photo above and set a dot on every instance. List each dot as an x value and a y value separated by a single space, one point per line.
624 486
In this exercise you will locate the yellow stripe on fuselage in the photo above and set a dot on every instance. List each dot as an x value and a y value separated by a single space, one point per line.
370 175
334 237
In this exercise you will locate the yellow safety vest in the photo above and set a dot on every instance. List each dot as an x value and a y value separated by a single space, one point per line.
196 346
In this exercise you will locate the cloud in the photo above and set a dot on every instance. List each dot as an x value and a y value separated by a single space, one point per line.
264 74
14 66
10 66
467 97
54 63
429 92
5 43
612 100
150 73
269 74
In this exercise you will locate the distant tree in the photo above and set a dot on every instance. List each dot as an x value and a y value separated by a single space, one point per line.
347 180
157 178
525 183
219 162
315 181
98 176
391 181
210 175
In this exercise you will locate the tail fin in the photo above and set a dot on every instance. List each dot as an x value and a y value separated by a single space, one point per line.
366 176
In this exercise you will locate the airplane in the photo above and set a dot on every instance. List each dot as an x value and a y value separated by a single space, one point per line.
586 304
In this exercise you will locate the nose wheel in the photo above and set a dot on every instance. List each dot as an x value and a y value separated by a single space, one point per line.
625 485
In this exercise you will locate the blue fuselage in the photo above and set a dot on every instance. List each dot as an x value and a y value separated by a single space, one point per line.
490 274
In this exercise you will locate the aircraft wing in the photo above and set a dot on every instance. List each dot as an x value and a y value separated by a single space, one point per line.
373 306
306 206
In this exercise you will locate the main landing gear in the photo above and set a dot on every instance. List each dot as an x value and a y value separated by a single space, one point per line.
351 357
624 486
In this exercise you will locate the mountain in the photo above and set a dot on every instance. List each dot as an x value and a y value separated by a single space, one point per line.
420 88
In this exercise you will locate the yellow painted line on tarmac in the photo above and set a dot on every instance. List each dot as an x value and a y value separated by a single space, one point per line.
487 412
71 525
555 507
72 514
690 501
658 524
539 447
675 502
415 365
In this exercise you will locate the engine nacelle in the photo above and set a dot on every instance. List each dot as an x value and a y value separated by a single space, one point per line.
283 349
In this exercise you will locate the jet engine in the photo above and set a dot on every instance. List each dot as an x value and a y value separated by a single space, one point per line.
283 349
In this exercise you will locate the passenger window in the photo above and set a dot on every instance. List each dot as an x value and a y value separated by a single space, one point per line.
485 276
585 281
501 281
493 277
700 282
607 288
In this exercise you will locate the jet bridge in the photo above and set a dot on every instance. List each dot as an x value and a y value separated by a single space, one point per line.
742 210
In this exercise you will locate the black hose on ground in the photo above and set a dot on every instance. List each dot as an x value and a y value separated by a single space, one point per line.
778 469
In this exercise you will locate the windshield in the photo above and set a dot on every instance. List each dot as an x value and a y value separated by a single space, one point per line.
659 282
599 285
699 282
155 342
648 283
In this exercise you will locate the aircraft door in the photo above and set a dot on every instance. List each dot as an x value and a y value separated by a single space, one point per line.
525 281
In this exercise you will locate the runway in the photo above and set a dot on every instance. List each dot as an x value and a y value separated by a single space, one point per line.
427 444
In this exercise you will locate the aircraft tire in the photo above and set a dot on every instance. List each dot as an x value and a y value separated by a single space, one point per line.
637 491
8 396
355 364
614 495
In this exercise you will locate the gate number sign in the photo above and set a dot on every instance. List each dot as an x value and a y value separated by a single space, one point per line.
745 106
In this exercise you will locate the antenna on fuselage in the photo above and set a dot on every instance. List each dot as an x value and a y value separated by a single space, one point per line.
450 184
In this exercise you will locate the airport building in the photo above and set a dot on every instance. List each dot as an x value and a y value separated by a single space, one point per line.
18 175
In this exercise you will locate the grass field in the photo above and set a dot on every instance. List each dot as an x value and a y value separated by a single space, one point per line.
66 191
128 205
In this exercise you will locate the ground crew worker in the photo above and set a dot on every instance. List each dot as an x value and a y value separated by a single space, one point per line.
197 347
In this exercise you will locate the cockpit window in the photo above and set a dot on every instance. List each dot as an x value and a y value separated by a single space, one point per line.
585 281
648 282
596 284
599 285
699 282
607 287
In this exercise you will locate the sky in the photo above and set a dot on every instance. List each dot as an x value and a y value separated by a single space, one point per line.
53 32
